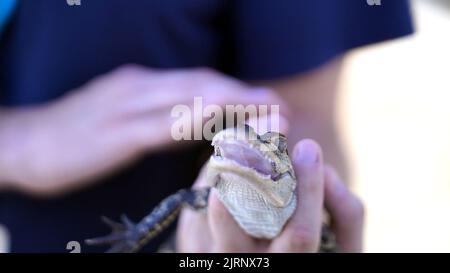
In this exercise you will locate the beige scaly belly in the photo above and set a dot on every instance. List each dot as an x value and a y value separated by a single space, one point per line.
250 209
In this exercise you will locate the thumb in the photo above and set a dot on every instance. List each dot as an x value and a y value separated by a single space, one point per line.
302 232
192 233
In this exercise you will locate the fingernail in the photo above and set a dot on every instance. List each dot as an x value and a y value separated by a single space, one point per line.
307 152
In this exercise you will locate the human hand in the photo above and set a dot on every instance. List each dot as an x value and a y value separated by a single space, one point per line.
109 122
318 186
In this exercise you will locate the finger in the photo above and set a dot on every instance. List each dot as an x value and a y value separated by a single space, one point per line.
266 100
226 233
267 96
152 132
219 89
193 233
346 212
272 122
148 102
302 232
223 90
133 70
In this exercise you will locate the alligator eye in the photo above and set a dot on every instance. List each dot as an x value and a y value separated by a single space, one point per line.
247 128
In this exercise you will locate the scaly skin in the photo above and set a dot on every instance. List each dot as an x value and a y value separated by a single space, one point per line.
274 180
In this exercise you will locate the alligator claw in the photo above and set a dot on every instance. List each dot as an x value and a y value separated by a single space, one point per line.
108 239
123 238
128 223
127 236
115 226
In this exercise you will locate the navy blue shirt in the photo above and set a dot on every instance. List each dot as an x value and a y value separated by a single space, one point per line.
49 48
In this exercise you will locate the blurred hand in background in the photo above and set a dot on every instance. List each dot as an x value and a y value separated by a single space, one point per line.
109 122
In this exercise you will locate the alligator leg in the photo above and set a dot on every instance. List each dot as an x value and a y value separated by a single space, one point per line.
129 237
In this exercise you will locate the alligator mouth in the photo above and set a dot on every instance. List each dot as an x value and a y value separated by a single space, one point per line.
245 155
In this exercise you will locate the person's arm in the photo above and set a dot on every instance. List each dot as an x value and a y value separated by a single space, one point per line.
312 100
116 118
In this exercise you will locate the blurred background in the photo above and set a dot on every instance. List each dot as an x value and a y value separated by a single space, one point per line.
394 116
